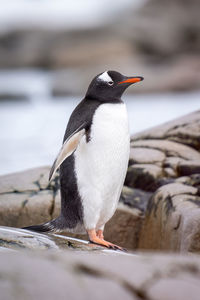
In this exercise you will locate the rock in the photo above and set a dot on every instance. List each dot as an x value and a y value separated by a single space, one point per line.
13 238
159 204
176 26
26 198
61 48
143 176
36 180
173 219
82 276
9 96
193 180
173 52
184 130
135 198
124 227
146 156
164 153
17 209
17 239
188 168
170 148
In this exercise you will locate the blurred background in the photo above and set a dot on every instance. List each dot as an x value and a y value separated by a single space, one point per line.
50 50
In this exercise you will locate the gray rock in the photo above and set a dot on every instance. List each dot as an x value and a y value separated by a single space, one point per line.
173 219
143 176
176 26
184 130
173 52
32 275
12 96
18 239
22 239
164 153
27 198
170 148
188 168
37 180
124 227
135 198
146 155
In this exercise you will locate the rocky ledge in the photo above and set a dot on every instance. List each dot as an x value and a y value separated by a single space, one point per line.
79 275
160 203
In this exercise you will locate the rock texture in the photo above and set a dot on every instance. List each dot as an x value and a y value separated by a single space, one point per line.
20 239
159 205
165 161
164 153
173 218
79 275
27 198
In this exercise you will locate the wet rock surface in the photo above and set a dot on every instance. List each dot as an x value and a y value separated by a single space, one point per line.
20 239
80 275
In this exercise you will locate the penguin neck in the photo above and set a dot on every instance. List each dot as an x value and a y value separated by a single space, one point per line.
103 100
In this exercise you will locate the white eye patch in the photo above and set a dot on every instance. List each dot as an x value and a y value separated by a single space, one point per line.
105 77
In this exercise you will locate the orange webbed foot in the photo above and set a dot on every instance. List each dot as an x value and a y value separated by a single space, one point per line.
100 234
96 238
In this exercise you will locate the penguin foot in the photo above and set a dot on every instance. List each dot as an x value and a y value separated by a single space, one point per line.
95 239
100 234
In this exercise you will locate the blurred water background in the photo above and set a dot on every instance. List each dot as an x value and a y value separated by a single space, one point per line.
50 51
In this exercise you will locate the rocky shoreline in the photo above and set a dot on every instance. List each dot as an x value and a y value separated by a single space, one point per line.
159 209
160 200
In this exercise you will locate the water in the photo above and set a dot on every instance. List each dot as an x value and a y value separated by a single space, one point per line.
31 131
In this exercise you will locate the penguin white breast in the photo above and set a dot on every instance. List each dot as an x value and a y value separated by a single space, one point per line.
101 164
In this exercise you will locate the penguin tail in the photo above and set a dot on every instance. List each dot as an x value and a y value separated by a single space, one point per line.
55 226
45 227
38 228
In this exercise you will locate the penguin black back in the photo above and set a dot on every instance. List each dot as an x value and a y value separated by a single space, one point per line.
105 89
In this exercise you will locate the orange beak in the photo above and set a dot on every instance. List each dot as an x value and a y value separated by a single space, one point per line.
132 80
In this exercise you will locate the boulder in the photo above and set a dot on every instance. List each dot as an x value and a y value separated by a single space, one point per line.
19 239
164 153
164 30
27 198
77 275
172 219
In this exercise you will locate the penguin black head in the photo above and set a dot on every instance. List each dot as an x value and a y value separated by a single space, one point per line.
110 85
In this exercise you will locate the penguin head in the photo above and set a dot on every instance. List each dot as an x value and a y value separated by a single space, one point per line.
110 85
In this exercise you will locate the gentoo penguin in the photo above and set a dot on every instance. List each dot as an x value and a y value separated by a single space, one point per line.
93 160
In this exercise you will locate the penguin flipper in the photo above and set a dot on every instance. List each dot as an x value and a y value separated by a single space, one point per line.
67 149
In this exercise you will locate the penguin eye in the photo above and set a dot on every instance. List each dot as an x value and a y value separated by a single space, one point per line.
110 82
